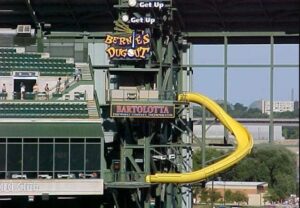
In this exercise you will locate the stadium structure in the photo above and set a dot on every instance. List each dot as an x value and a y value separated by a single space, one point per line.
113 126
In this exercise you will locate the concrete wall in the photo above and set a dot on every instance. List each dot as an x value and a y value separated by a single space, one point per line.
258 132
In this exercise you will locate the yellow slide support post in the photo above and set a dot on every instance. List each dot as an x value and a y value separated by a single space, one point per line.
243 147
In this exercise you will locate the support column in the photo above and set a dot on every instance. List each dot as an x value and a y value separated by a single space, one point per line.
39 40
225 80
203 137
271 125
85 47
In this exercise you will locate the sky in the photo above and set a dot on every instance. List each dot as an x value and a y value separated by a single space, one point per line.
246 85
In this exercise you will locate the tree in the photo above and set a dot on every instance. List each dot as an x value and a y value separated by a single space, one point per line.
290 132
214 196
269 163
204 195
210 156
239 197
228 196
273 164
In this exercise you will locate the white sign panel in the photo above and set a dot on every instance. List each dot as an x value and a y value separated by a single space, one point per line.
51 187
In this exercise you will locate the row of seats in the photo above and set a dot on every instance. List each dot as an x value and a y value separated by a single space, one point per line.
7 50
24 56
32 63
6 71
43 110
12 61
30 58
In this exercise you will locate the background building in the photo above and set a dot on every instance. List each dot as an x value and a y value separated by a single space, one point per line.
255 191
278 106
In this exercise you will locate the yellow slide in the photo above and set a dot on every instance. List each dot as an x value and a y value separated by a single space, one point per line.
243 147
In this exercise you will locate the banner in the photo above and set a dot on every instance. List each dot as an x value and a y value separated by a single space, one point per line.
142 110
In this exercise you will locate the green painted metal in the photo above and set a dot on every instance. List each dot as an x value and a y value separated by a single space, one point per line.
225 80
203 137
241 66
69 35
50 129
271 126
39 40
238 34
85 48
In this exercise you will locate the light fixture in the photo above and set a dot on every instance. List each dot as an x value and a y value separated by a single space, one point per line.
132 3
125 18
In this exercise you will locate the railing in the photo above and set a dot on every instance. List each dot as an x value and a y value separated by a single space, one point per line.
97 102
127 94
91 68
49 174
41 96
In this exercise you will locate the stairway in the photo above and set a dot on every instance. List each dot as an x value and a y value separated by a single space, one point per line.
85 71
92 109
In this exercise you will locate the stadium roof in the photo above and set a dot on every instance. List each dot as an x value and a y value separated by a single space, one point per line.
191 15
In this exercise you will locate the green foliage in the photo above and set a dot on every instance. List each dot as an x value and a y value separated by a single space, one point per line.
210 155
228 196
273 164
287 114
204 195
239 197
269 163
290 132
214 196
208 195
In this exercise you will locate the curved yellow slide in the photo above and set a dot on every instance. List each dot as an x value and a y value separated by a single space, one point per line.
243 147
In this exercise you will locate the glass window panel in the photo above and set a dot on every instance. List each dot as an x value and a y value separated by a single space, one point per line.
46 140
207 54
61 156
77 140
2 157
93 140
30 140
77 156
286 54
286 84
246 85
30 157
46 157
61 140
14 140
92 157
249 54
203 79
14 157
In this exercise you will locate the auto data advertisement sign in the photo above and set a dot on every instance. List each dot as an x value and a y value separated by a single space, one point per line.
142 110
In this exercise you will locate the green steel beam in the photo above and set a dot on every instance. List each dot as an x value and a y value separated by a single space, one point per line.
271 127
160 52
203 136
78 34
195 66
237 34
225 80
85 48
32 13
